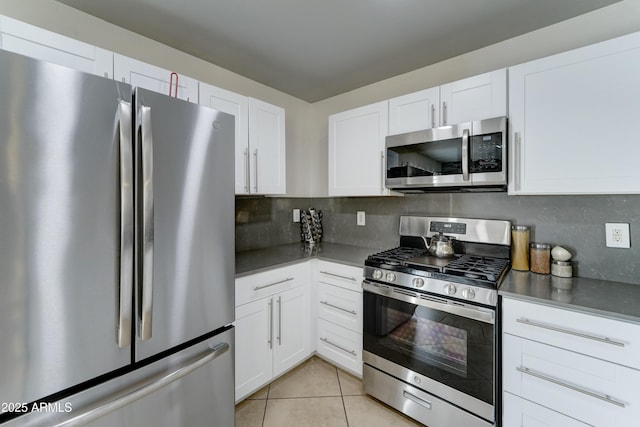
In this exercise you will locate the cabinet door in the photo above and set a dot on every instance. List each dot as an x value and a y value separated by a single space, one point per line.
415 111
356 151
571 117
254 342
479 97
146 76
238 105
25 39
291 328
267 148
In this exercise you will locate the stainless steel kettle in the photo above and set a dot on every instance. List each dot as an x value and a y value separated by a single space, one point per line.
441 246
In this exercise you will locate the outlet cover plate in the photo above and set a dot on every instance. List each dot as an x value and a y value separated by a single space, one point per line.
360 218
617 235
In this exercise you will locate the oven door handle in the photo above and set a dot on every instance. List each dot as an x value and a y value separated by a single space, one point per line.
459 309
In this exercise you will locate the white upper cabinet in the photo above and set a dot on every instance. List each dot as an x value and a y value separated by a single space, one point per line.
260 154
267 148
143 75
357 151
475 98
415 111
25 39
238 105
568 112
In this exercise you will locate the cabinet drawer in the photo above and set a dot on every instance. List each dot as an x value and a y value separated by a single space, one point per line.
340 345
256 286
593 391
345 276
340 306
607 339
522 413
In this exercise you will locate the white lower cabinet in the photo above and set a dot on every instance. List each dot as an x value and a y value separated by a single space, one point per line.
272 330
556 380
339 313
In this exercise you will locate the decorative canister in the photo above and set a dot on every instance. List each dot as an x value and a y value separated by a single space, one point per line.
520 247
540 257
561 268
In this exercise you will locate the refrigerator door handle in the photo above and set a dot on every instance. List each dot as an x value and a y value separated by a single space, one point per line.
155 383
126 226
147 237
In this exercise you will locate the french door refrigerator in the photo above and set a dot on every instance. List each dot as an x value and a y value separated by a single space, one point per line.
116 253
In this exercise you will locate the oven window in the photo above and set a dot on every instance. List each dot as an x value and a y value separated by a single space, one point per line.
451 349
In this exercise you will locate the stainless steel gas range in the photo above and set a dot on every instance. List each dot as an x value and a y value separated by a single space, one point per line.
429 330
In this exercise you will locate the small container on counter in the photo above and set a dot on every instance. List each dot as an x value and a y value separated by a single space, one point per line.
540 257
561 268
520 247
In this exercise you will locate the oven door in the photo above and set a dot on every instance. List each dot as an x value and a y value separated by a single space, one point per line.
443 347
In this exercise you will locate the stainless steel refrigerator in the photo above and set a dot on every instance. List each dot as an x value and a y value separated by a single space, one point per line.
116 253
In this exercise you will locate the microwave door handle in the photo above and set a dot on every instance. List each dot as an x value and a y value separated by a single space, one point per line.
147 224
126 225
465 155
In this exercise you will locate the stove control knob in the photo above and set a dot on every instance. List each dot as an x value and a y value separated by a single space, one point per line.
449 289
390 277
418 282
377 274
468 293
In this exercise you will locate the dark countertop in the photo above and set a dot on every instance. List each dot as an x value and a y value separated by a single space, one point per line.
258 260
615 300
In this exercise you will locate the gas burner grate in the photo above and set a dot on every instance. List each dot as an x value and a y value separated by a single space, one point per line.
396 256
477 267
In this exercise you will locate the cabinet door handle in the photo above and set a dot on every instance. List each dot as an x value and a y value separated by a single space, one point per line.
415 399
255 166
518 161
247 169
270 341
279 320
257 288
444 113
338 308
544 377
569 332
339 347
353 279
433 116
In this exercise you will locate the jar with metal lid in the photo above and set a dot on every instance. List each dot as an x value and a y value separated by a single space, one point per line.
561 268
520 247
540 257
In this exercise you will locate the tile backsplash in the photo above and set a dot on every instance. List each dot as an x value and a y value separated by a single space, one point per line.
575 222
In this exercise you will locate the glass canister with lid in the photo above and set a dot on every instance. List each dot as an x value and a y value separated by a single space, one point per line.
520 247
540 257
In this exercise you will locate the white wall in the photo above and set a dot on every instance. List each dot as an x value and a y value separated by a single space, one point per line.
63 19
606 23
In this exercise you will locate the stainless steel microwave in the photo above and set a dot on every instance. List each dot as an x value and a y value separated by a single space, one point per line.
469 156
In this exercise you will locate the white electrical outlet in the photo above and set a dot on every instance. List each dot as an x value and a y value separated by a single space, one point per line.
360 218
296 215
617 235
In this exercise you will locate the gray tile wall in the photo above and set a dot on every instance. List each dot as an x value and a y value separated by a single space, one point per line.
575 222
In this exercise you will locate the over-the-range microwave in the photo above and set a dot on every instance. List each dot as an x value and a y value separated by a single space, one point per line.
468 156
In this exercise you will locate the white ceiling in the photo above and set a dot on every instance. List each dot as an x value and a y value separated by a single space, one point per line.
315 49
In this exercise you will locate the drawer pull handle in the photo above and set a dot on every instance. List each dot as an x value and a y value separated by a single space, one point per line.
569 332
338 308
353 279
601 396
415 399
339 347
257 288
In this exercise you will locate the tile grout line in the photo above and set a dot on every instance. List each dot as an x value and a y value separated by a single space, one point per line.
344 407
266 402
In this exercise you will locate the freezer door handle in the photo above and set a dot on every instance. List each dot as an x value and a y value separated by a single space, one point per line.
152 384
126 226
146 298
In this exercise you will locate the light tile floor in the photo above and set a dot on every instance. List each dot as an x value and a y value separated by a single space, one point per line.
316 394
